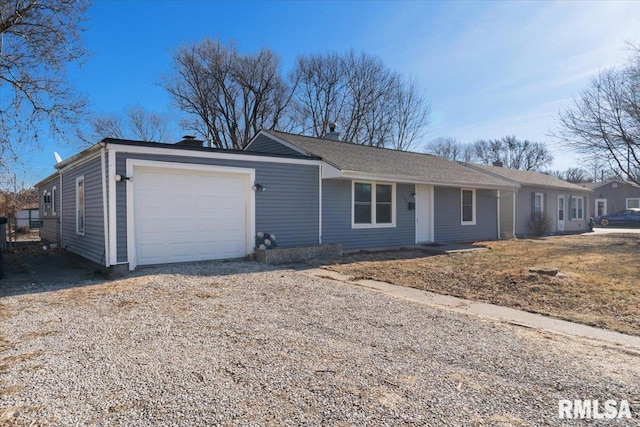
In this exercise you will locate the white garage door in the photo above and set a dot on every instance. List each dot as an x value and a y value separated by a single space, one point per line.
186 215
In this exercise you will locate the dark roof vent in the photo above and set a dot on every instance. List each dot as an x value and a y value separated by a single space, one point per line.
332 134
190 141
498 163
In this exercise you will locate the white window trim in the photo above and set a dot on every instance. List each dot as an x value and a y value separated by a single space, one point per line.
541 195
574 201
629 199
54 190
84 206
473 205
373 224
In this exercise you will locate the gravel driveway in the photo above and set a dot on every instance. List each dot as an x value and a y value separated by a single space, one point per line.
239 343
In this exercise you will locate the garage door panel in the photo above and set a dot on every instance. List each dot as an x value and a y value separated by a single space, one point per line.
182 215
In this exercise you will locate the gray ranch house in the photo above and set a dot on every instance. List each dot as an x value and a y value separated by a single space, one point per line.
564 203
613 196
123 204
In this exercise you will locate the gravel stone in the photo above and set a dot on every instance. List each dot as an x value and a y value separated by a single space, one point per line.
242 343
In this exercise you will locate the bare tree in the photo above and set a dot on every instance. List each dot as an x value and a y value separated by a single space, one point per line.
229 96
604 120
38 39
320 92
576 175
136 123
451 149
411 117
513 153
373 105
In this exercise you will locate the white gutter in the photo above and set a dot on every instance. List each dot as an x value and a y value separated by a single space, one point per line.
498 207
514 213
61 205
105 212
320 204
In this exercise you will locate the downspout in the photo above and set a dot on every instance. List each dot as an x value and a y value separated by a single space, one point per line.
105 211
498 208
513 220
61 205
320 204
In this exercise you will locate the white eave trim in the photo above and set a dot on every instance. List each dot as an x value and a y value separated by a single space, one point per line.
136 149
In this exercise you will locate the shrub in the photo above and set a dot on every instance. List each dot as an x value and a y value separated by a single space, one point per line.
541 224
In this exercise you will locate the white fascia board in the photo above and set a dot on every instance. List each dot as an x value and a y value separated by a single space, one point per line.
418 180
134 149
81 157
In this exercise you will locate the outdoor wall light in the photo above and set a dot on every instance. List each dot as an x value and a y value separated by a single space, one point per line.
122 178
258 187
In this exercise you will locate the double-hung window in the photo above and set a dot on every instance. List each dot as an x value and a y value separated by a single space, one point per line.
373 205
80 201
576 208
468 206
633 203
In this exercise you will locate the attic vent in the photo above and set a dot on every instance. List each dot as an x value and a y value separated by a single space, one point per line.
332 134
190 141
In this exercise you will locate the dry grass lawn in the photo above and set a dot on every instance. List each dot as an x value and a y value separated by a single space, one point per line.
598 281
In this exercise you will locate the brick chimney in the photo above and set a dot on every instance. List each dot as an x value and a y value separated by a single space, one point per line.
498 163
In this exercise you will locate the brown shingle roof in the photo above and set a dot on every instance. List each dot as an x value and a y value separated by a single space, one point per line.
372 160
529 178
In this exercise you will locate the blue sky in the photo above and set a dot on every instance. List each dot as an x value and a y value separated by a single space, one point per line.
490 69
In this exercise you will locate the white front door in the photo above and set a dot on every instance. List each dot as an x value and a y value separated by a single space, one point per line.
424 195
601 207
561 213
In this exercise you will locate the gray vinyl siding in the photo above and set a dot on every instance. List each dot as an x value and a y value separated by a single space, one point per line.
523 210
264 144
448 217
616 197
336 219
91 245
506 214
287 208
50 222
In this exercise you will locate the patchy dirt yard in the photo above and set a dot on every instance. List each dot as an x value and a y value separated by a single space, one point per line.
598 280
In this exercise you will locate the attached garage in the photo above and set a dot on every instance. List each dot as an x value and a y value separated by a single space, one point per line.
181 212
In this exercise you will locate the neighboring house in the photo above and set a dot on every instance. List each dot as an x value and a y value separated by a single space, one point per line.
564 203
25 217
126 203
613 196
49 200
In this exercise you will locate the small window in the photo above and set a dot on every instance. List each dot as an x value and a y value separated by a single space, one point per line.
53 200
633 203
468 198
80 217
538 203
373 205
576 208
46 202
